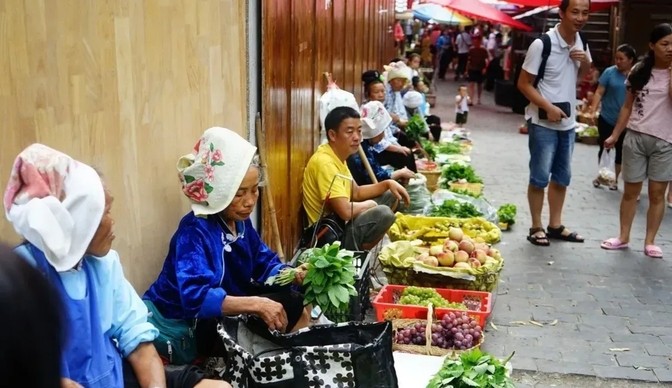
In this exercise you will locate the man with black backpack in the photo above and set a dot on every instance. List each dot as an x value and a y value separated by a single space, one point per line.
552 66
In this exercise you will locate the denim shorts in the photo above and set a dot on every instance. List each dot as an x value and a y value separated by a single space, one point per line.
550 155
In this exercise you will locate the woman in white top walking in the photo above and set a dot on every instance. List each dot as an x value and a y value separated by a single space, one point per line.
647 148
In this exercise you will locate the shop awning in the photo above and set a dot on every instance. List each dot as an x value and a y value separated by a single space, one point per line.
595 5
478 10
440 15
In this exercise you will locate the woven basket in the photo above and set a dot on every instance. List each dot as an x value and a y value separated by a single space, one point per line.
426 349
590 140
475 188
486 281
432 179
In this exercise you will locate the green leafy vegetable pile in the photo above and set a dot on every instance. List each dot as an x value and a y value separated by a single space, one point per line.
473 369
457 171
430 148
457 209
415 128
507 213
449 148
329 280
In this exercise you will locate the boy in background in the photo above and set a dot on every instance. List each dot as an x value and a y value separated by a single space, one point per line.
462 101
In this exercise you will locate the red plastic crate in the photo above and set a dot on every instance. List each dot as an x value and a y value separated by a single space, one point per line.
479 303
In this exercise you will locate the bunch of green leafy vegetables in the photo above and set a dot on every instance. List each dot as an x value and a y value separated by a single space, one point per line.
465 192
449 148
416 127
473 369
507 213
457 209
429 148
456 171
329 280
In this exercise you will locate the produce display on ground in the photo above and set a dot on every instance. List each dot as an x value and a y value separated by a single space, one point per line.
433 229
506 214
474 369
441 269
455 208
390 303
402 263
452 331
422 296
460 172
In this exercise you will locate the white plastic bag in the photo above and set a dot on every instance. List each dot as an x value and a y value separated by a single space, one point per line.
606 173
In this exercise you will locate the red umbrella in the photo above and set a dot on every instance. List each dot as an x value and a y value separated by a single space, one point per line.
478 10
595 5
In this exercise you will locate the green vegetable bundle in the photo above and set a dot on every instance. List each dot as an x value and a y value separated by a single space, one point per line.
507 213
430 148
456 171
455 208
416 127
329 280
449 148
473 369
590 132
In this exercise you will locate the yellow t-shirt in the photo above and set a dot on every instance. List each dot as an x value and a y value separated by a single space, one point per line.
317 177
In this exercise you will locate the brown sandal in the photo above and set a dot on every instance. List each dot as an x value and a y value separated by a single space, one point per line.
541 241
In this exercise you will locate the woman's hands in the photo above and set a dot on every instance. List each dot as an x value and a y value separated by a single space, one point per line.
610 142
67 383
272 313
300 274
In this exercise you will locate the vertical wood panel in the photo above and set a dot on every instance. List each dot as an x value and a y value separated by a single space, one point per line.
338 39
348 82
360 48
277 60
303 108
324 56
345 39
127 86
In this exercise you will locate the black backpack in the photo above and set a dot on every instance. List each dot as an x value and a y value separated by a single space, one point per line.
520 101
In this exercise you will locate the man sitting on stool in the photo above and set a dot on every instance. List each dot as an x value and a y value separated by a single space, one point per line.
367 210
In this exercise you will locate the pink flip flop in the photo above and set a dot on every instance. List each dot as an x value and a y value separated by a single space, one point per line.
653 251
613 244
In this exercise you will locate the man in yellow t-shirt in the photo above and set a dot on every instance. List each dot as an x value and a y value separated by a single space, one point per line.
368 210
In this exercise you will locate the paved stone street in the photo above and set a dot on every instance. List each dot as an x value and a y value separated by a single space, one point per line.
603 314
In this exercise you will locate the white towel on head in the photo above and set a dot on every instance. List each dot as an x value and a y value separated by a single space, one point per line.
54 202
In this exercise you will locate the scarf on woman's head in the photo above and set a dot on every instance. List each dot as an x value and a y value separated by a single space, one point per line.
213 172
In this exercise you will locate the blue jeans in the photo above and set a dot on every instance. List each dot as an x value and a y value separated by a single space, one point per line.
550 155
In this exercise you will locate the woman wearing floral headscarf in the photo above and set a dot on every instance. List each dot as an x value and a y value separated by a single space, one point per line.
217 262
62 209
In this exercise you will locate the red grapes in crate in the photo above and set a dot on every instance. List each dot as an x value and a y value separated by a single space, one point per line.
453 331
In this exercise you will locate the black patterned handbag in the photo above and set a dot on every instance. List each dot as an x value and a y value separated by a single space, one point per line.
346 355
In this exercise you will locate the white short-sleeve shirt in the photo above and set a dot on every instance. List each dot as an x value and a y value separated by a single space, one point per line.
560 77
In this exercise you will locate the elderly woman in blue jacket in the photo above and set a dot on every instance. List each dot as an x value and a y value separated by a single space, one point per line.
217 264
62 210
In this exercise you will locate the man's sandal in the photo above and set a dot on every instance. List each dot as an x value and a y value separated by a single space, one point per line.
536 239
556 233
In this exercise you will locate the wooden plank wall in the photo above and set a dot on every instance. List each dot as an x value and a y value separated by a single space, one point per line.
127 86
301 39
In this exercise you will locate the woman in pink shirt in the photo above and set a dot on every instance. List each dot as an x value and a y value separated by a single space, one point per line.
647 148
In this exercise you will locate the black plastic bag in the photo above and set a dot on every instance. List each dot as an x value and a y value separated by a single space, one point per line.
353 354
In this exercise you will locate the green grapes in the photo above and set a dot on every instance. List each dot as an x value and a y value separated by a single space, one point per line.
420 296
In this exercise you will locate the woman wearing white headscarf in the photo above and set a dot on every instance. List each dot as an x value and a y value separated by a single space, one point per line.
62 209
217 263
